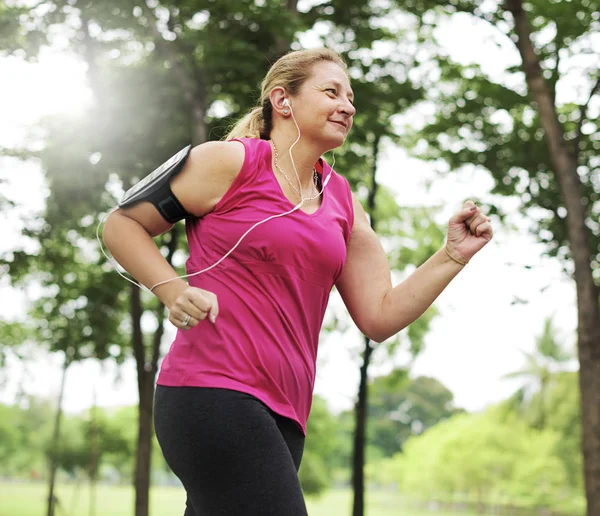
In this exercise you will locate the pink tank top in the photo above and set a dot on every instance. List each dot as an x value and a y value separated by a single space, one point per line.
272 290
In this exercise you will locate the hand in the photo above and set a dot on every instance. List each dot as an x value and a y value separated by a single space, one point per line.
469 231
196 303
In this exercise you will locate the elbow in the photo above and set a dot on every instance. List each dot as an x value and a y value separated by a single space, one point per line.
382 335
380 328
113 227
375 331
376 324
377 336
109 230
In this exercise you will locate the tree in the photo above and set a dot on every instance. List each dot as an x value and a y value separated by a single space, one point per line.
79 319
9 437
542 367
102 437
564 156
565 419
399 408
123 424
27 430
402 407
12 336
485 457
536 147
320 449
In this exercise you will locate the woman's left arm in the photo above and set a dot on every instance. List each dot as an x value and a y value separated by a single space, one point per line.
381 310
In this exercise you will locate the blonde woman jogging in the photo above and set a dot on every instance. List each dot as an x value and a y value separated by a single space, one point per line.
271 229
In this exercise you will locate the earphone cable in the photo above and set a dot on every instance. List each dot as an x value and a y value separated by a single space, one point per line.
113 262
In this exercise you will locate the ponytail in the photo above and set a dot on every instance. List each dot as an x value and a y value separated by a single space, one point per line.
256 124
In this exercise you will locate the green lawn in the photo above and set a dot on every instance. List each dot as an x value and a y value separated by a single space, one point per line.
28 500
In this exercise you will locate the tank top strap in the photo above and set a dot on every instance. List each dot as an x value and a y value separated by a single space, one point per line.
251 175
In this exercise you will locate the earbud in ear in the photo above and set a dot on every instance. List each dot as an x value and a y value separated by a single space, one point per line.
286 102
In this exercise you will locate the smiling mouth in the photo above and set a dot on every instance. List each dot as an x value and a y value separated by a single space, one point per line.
340 124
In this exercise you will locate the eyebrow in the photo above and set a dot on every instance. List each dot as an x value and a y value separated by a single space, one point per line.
338 84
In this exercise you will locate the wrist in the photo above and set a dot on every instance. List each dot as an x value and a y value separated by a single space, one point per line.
454 257
168 292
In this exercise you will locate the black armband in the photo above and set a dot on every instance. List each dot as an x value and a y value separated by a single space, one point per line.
156 188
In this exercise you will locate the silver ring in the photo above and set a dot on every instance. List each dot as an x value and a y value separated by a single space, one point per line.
186 321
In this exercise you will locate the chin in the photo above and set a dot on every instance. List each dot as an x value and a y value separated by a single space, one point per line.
329 140
329 146
334 141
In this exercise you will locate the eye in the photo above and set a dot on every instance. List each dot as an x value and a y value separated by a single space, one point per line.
332 90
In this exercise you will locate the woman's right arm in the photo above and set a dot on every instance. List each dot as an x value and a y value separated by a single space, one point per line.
128 234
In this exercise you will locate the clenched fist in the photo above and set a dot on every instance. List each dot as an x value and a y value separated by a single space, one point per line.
192 306
469 231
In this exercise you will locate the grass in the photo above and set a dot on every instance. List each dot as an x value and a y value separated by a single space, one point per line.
23 499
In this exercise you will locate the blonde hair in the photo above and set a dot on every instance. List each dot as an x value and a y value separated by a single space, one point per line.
289 72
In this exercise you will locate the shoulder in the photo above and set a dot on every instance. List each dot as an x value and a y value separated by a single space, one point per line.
361 220
220 156
342 191
209 171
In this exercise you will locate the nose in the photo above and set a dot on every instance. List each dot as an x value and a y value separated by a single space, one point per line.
348 108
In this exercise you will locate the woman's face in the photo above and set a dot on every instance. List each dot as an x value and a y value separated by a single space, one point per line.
323 107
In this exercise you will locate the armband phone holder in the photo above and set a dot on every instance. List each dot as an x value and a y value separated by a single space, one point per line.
156 188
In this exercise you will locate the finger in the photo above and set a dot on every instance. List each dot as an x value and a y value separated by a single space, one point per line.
214 309
191 322
464 214
178 318
484 229
480 218
184 305
199 299
191 308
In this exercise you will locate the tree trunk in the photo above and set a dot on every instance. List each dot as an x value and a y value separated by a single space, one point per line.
52 500
360 434
362 403
564 161
146 374
144 442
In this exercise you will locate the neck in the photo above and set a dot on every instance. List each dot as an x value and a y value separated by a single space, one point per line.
305 156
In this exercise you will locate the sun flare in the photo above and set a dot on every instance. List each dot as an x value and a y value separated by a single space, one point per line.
56 84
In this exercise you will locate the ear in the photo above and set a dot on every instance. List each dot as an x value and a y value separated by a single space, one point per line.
278 96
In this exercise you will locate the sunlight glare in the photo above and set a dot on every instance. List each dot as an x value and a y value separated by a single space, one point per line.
64 88
56 84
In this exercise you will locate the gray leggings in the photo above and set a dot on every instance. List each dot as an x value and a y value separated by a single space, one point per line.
233 455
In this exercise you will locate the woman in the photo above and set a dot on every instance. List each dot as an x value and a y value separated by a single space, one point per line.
234 391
